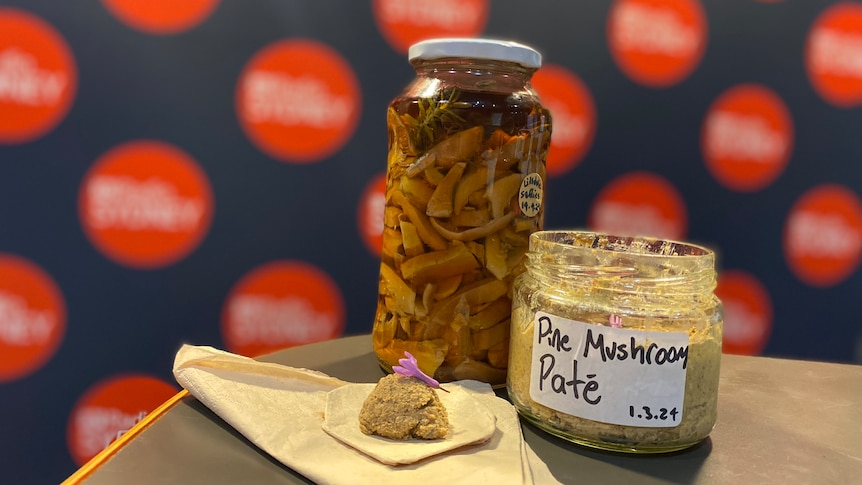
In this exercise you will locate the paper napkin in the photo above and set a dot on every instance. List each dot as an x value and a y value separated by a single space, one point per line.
281 410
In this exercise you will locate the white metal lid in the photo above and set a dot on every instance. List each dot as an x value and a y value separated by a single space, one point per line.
500 50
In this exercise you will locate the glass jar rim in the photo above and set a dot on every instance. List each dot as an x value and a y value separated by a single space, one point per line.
645 246
475 48
586 258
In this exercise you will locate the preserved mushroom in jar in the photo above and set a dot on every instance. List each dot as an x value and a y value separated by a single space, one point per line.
468 141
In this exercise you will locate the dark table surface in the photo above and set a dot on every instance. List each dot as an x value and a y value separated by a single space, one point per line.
780 422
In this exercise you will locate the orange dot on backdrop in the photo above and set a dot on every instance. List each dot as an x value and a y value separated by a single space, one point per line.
109 408
822 237
573 113
161 17
145 204
657 43
640 204
32 317
403 23
747 137
33 54
298 100
370 214
281 304
832 52
747 310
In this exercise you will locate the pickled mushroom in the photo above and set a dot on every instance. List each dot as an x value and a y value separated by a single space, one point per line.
428 297
470 218
477 249
400 136
434 175
518 148
384 331
476 232
472 181
447 286
412 242
397 159
498 355
423 163
487 338
460 342
429 354
404 299
392 216
497 138
420 220
492 314
417 191
477 200
463 145
475 295
440 204
472 369
495 256
392 243
500 193
439 265
454 237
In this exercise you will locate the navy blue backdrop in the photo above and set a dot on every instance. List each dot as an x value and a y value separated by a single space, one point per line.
120 319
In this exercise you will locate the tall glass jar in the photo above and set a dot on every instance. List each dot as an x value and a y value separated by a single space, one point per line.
616 341
468 140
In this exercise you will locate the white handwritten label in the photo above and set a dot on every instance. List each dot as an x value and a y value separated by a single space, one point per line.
530 195
608 374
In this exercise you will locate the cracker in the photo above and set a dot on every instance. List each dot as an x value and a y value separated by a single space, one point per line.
470 422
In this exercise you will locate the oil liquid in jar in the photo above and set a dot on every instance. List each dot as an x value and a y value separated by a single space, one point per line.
468 141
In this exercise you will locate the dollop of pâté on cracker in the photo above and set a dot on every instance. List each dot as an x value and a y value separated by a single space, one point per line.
401 408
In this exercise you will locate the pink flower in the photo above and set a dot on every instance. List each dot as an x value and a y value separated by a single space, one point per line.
410 368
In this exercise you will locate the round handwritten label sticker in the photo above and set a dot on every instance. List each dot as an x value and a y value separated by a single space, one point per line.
747 137
823 235
640 204
573 112
298 101
405 23
370 214
832 53
747 312
110 408
657 43
161 16
531 195
38 77
281 304
32 317
145 204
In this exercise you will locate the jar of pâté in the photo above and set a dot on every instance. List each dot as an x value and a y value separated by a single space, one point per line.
616 341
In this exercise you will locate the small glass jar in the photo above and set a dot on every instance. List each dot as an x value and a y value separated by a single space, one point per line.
468 141
616 341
